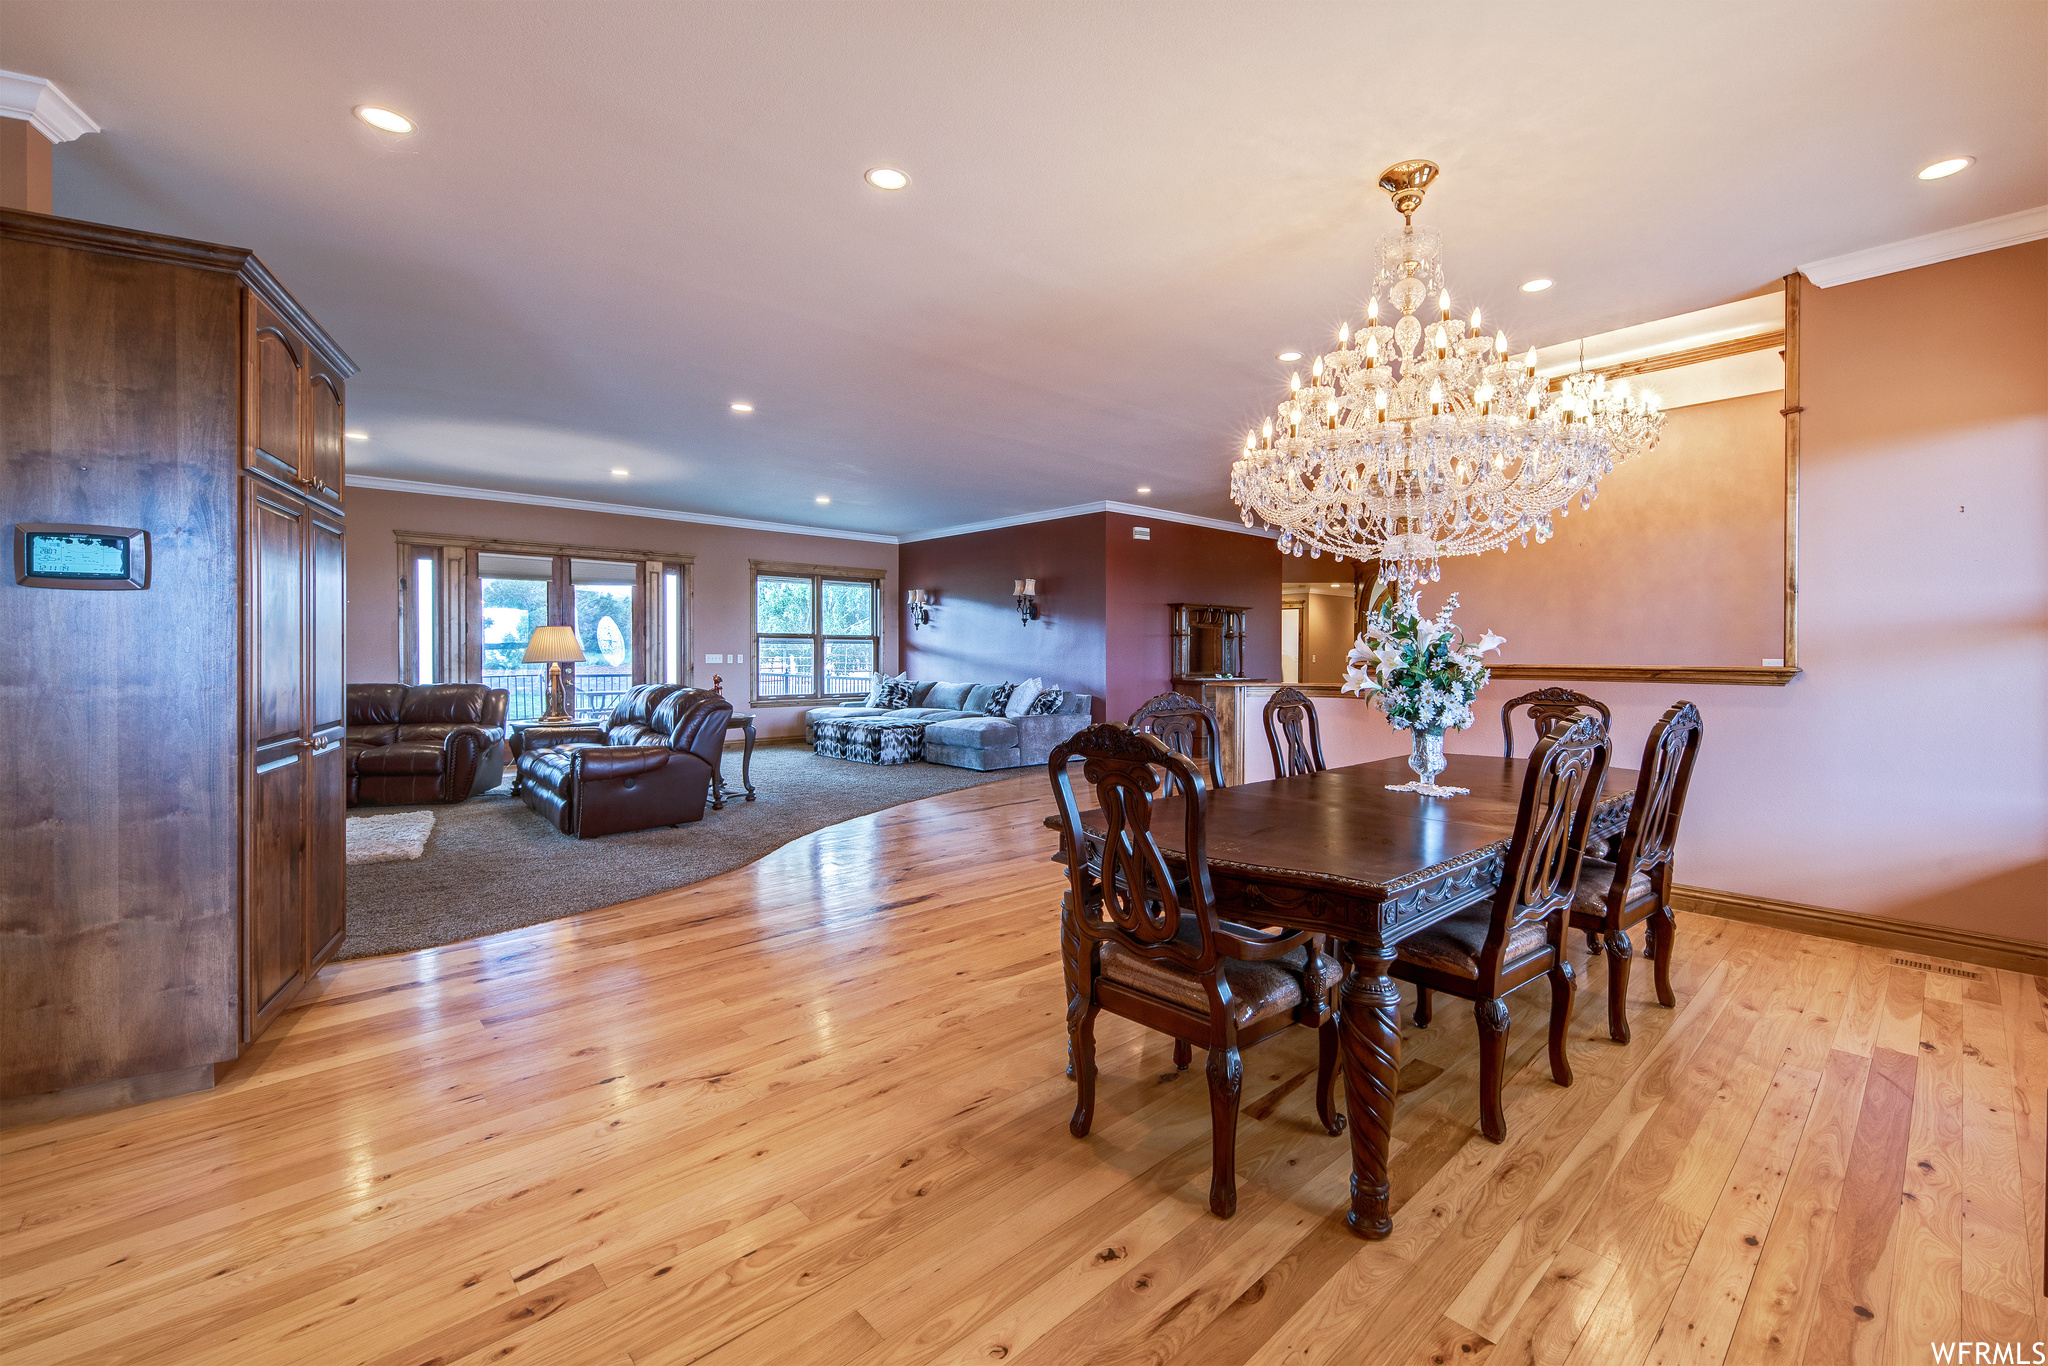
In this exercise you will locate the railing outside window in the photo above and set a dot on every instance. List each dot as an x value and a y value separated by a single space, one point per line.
816 635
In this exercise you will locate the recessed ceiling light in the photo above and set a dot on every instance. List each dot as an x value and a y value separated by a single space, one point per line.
1942 169
383 119
620 474
743 407
823 499
1535 286
357 436
1144 488
887 178
1288 355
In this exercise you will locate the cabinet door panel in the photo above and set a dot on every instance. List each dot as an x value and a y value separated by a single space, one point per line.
327 870
324 400
274 890
276 395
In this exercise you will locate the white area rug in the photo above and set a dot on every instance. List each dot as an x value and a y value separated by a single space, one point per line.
391 838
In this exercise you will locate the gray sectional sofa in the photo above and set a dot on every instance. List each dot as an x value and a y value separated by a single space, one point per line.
960 733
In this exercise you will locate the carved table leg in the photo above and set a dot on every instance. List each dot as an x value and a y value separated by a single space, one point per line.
1372 1066
747 762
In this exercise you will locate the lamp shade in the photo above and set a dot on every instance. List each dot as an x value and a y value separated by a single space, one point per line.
552 645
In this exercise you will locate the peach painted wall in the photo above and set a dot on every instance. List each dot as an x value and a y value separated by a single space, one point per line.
721 619
1905 772
1621 582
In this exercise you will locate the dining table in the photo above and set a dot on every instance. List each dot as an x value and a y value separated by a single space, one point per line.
1338 853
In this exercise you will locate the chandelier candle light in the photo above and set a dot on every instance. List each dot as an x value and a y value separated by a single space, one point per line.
1415 441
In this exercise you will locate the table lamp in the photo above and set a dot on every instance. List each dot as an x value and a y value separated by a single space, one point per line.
554 646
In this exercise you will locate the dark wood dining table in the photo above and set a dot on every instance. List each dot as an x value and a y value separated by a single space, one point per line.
1338 853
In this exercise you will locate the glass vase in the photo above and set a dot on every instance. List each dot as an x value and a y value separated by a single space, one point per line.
1426 758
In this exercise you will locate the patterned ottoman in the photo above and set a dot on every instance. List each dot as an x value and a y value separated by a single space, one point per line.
866 740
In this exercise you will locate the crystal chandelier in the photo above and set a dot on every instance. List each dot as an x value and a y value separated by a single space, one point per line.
1415 441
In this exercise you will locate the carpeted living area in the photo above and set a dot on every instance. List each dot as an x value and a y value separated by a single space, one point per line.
491 864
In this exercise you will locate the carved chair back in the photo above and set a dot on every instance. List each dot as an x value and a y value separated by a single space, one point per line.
1129 894
1646 846
1188 729
1294 734
1549 709
1542 865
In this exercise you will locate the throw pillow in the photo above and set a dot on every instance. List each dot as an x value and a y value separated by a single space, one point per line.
1027 692
977 701
1048 702
879 689
897 693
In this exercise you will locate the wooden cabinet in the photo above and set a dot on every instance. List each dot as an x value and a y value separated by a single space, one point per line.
172 862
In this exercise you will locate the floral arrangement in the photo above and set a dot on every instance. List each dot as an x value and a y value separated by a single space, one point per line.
1421 671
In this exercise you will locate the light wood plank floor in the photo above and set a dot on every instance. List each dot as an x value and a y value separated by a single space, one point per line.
814 1112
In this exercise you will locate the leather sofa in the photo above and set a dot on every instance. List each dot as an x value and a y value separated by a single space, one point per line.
440 743
650 764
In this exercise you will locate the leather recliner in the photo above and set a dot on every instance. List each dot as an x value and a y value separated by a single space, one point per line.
439 743
650 764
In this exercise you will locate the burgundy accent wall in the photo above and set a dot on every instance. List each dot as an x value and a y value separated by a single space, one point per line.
1182 563
975 633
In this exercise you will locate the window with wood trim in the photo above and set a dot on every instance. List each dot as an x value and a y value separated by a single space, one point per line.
817 633
467 611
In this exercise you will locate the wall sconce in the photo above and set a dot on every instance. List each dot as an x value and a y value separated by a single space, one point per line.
919 603
1027 600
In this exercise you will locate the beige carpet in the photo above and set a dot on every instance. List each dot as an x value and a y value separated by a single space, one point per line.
494 865
389 837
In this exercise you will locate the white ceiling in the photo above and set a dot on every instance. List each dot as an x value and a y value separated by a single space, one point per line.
614 219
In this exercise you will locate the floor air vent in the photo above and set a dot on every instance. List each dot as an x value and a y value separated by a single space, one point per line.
1963 973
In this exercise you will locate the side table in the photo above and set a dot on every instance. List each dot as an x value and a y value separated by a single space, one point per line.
527 735
742 721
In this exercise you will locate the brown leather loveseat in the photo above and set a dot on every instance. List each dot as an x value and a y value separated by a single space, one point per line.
439 743
650 764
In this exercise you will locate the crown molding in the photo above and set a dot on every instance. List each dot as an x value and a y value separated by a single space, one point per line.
374 481
1967 240
1152 514
47 109
371 481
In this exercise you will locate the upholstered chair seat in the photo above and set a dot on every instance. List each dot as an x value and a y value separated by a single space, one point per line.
1596 884
1257 990
1453 945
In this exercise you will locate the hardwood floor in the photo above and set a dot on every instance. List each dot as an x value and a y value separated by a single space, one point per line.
814 1112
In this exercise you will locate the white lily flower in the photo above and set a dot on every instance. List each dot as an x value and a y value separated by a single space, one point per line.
1426 633
1358 680
1390 658
1360 652
1490 642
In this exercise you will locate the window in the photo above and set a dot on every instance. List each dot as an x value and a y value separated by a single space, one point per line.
468 610
604 591
816 634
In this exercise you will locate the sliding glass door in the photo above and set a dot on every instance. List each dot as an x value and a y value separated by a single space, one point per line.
605 594
516 592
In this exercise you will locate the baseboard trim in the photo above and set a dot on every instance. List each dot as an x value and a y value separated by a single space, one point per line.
1963 946
105 1095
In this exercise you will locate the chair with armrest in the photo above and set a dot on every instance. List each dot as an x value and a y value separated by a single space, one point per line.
1486 952
440 742
1144 942
1636 886
1293 733
1188 728
650 764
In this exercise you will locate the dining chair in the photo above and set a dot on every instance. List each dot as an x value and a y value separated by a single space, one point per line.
1485 953
1145 942
1549 709
1636 886
1187 727
1291 714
